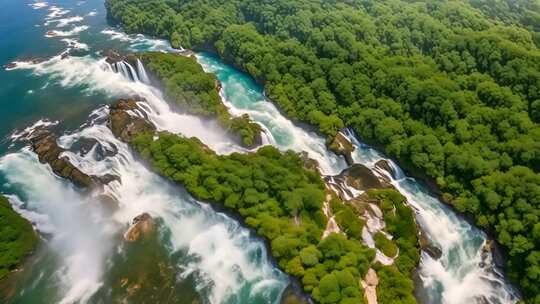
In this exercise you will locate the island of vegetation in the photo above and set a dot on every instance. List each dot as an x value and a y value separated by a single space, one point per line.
17 238
283 201
189 87
451 89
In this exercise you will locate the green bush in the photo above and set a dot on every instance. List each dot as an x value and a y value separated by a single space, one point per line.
17 238
385 245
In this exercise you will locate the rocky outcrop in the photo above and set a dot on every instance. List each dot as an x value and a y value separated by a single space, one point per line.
309 163
361 177
370 283
125 125
84 145
427 245
142 226
43 143
113 56
341 145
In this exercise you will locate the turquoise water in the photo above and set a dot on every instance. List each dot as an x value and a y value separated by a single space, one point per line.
457 277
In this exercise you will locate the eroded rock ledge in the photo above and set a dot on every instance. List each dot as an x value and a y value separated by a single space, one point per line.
44 144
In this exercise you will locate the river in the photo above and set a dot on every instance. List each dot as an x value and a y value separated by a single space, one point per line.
215 259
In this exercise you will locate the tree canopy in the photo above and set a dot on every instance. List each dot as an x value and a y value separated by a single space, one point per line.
17 238
189 87
449 88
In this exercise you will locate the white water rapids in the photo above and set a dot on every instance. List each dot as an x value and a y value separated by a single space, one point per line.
229 264
457 277
227 251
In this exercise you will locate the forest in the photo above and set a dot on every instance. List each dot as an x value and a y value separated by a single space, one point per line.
17 238
282 201
451 89
187 86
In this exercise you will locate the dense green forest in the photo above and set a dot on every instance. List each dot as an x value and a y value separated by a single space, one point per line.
188 86
282 201
17 238
449 88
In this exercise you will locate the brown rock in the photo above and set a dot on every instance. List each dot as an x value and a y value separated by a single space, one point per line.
142 226
309 163
362 178
44 144
10 65
124 125
342 146
427 245
113 56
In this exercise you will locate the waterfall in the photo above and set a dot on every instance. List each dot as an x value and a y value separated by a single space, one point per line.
142 72
226 261
458 276
125 69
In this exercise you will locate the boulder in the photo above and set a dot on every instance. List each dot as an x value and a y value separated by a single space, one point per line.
427 245
84 145
123 124
361 178
309 163
113 56
384 165
10 66
342 146
43 143
142 226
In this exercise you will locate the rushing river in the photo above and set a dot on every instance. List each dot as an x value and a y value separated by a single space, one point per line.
214 258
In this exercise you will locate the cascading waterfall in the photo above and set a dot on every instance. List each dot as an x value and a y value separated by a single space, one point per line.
143 76
457 276
228 263
125 69
247 275
243 96
462 274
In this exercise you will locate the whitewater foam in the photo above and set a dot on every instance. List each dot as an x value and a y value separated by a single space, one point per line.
456 277
139 42
75 44
63 22
79 234
38 5
75 30
55 12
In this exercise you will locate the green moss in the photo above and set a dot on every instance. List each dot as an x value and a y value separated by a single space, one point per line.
17 238
385 245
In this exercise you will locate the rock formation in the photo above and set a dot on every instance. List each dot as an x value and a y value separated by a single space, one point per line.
342 146
43 143
123 124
